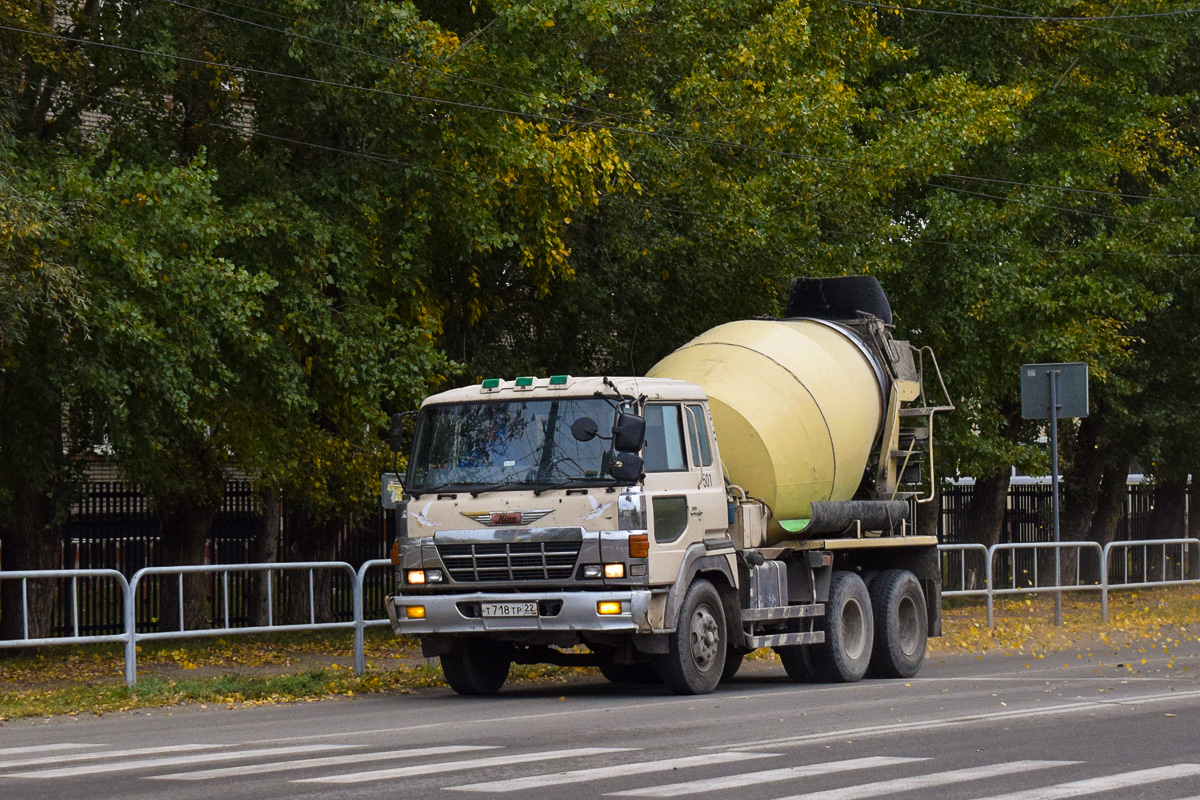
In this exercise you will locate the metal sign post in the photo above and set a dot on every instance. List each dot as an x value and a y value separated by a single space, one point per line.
1050 391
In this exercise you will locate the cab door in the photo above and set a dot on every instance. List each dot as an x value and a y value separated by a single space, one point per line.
683 504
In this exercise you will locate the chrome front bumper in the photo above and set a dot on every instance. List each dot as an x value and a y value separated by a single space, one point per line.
577 611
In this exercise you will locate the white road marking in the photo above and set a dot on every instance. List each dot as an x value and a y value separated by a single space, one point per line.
614 771
41 748
1107 783
326 761
881 788
455 766
768 776
177 761
969 719
98 754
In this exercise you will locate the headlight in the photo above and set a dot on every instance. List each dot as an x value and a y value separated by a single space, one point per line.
591 571
420 576
614 570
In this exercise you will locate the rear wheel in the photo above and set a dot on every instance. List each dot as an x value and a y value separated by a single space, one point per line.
848 625
901 630
478 667
696 658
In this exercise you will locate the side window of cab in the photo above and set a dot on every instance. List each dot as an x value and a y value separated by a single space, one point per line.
664 439
698 434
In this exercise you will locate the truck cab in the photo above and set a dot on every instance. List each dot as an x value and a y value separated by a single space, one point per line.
540 514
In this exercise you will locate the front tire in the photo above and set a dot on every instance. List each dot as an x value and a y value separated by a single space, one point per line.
479 667
696 657
849 626
901 631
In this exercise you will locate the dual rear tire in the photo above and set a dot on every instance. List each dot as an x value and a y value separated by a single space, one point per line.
881 630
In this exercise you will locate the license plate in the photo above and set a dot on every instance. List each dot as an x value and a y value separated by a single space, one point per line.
510 609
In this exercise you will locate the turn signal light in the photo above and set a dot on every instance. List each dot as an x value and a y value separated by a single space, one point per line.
608 607
639 545
414 612
395 553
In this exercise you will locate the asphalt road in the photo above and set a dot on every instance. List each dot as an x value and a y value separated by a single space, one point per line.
1068 725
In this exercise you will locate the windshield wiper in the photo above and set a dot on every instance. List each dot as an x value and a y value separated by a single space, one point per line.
441 487
569 482
495 487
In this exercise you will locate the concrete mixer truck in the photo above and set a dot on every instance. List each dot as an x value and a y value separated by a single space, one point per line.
758 488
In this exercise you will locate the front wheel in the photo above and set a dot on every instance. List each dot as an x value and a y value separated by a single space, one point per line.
849 627
478 667
696 656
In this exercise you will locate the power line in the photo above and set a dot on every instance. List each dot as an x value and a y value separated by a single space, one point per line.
409 64
1033 204
445 102
1018 16
1072 189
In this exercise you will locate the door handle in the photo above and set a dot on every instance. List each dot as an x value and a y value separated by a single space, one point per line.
696 512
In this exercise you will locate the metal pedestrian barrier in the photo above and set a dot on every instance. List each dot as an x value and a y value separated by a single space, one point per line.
130 636
1024 575
1142 564
1187 563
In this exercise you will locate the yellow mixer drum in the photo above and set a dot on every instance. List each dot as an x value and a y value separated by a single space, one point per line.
797 405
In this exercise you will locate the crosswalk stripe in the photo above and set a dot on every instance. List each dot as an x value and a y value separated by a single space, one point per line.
766 776
455 766
41 748
326 761
1104 784
880 788
614 771
98 754
177 761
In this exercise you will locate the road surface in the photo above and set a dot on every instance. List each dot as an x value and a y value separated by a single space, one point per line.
1069 725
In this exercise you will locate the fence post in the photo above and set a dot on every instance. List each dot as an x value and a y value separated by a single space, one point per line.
360 656
131 630
991 589
1104 583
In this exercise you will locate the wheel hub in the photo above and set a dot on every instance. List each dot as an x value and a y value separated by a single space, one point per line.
704 638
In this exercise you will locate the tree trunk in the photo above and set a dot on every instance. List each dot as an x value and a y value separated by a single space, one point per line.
185 527
1114 489
929 514
985 516
30 542
265 551
310 541
989 503
1081 496
1166 522
1193 527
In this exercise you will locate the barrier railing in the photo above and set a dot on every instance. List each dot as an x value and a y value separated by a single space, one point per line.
61 574
1185 565
966 588
1033 580
128 589
1187 547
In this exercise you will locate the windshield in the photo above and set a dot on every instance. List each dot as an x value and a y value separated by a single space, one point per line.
507 443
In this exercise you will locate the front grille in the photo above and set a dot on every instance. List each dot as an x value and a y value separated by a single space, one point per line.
510 561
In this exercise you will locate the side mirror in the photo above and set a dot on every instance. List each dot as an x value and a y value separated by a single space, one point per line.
629 434
396 434
584 429
626 467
